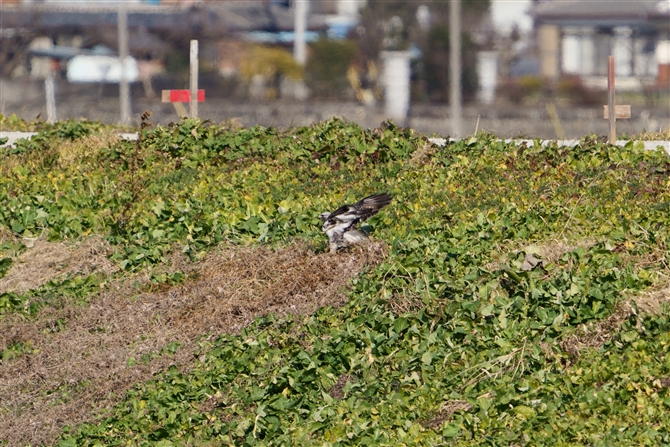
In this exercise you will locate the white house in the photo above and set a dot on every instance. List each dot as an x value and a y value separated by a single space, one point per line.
575 37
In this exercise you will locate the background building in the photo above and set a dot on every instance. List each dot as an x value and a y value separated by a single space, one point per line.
576 37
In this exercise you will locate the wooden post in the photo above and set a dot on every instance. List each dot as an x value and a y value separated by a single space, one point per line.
612 111
176 97
194 79
611 100
456 111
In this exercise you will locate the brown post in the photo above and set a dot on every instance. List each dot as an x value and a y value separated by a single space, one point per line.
611 102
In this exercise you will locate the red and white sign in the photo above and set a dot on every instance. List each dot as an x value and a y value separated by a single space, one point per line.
180 96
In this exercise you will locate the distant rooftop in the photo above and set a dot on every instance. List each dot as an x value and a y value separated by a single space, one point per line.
602 12
223 16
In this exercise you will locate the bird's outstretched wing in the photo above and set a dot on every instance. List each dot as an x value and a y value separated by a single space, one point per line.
361 210
340 224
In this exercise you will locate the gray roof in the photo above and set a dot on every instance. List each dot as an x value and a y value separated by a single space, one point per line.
643 13
218 19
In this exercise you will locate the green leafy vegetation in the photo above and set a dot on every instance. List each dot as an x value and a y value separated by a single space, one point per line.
75 290
662 134
477 328
63 129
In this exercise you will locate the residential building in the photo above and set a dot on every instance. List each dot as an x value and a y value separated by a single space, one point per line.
575 37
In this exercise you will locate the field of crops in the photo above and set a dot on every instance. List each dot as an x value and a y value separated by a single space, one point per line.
178 290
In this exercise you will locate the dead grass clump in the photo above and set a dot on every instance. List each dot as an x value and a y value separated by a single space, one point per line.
554 250
73 152
402 304
6 236
551 251
44 261
662 134
447 411
650 303
595 335
84 368
337 391
423 155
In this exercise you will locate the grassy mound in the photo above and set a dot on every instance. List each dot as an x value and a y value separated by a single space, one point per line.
517 297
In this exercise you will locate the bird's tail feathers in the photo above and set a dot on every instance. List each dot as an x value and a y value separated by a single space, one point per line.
355 236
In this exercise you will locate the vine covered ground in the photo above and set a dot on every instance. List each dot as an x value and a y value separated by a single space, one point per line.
514 294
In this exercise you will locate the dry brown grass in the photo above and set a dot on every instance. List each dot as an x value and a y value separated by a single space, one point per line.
76 372
44 261
446 412
550 251
401 304
337 391
422 156
6 236
595 335
662 134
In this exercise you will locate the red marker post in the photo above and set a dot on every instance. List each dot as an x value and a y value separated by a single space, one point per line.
176 97
180 96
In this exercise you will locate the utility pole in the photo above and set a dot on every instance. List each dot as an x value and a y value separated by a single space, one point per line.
456 109
124 88
194 79
50 91
299 45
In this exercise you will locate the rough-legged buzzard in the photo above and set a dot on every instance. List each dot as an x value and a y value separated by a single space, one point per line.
340 225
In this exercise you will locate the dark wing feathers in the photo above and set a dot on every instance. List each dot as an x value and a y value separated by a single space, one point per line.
370 205
363 209
340 225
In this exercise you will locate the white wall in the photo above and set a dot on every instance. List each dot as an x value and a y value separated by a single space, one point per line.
663 52
349 8
100 69
571 54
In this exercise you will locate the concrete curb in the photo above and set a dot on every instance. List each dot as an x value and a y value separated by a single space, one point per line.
648 145
13 136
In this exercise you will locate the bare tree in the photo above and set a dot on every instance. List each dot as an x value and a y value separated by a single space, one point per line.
14 49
